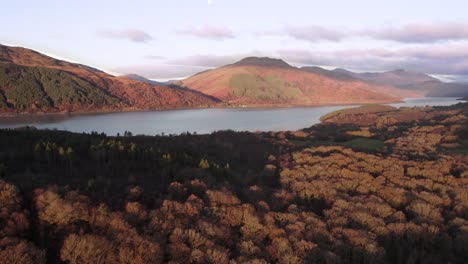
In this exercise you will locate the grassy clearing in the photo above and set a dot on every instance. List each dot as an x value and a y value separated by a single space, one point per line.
269 88
365 109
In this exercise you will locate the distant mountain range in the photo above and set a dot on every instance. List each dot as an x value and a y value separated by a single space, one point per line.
266 81
139 78
35 83
407 80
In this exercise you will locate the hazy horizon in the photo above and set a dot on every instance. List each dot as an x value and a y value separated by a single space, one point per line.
163 40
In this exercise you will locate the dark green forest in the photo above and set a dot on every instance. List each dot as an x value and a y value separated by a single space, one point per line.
367 185
44 88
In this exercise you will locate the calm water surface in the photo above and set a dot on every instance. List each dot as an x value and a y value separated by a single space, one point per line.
200 121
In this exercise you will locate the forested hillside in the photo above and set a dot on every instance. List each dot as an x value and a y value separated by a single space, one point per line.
386 189
27 87
31 82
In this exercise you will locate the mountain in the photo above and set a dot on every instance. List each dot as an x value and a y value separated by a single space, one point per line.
33 82
421 83
338 74
263 62
139 78
400 77
415 81
266 81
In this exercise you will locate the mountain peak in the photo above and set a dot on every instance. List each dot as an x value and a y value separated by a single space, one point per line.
412 74
337 74
399 71
341 70
135 77
28 57
262 62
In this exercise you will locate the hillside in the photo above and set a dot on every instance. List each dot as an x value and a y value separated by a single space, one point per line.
40 88
33 82
265 81
396 77
420 83
440 89
140 78
414 81
334 74
262 62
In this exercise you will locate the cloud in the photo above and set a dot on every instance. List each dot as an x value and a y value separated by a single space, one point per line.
311 33
443 52
441 59
159 71
421 33
410 33
314 33
212 61
437 59
208 32
186 66
433 52
56 35
452 78
206 60
135 35
154 57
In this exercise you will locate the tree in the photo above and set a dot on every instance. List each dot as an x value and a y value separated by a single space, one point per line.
204 164
23 252
78 249
69 152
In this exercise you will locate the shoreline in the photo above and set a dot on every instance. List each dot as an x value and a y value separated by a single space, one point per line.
59 117
8 115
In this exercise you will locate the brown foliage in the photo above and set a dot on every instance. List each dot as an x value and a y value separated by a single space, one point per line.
23 252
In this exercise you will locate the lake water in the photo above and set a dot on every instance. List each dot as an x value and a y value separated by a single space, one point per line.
200 121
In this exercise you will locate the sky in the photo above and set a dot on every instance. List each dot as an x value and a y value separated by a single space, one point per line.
176 38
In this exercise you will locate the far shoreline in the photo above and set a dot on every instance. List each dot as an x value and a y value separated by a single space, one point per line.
31 120
12 115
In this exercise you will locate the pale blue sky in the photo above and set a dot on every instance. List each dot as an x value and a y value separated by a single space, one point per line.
175 38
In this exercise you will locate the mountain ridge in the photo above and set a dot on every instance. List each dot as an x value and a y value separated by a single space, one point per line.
262 62
407 80
331 74
267 81
33 82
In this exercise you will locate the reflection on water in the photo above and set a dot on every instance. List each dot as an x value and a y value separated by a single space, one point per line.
200 121
429 101
33 119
